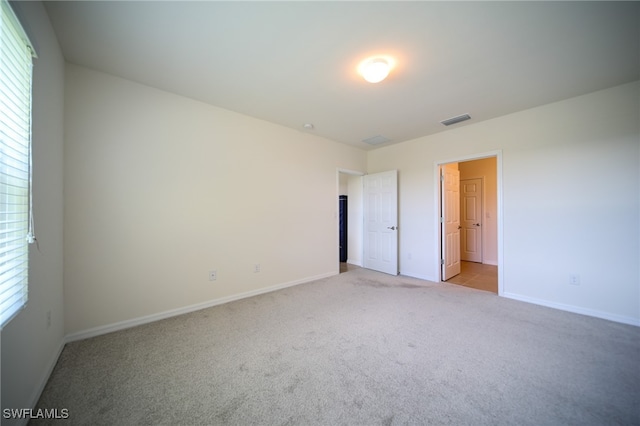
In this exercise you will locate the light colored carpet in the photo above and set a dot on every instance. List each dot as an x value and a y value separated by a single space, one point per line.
360 348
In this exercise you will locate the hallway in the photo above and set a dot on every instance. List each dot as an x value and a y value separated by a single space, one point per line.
477 275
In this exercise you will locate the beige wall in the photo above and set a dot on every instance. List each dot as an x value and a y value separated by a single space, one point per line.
30 347
161 189
570 200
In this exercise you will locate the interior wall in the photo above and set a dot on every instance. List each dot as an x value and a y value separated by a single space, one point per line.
30 347
485 168
161 189
343 184
355 225
570 200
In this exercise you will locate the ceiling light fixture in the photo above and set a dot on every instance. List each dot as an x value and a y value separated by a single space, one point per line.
374 70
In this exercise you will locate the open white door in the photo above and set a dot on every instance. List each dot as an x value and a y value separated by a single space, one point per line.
381 222
450 219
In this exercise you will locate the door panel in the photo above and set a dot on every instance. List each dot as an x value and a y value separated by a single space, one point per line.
381 222
450 205
471 200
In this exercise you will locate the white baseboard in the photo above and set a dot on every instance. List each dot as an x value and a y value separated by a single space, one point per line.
490 262
109 328
575 309
37 392
354 262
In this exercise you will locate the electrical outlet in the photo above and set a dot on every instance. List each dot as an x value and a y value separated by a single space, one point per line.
213 275
574 279
256 267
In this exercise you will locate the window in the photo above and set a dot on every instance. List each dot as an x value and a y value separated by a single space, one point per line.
16 230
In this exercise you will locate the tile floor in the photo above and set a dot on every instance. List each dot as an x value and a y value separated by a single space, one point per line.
477 275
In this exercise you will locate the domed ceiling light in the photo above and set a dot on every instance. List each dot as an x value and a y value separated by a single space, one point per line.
374 70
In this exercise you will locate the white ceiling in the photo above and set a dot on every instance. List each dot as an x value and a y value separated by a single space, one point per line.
293 63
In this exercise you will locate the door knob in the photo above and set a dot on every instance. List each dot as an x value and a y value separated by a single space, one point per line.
476 224
393 228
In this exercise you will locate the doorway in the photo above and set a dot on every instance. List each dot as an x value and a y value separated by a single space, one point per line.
479 248
349 187
372 203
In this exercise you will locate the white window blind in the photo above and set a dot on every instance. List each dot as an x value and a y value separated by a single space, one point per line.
15 164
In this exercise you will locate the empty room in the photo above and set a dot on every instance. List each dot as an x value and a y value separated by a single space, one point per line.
320 213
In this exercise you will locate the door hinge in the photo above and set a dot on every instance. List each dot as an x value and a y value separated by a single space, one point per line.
442 261
441 219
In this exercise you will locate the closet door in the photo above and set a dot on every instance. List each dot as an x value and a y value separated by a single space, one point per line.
381 222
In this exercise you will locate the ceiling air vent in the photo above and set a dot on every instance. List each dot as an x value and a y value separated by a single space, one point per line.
376 140
454 120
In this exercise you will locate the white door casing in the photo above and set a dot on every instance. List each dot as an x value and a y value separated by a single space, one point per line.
471 219
381 222
436 257
450 219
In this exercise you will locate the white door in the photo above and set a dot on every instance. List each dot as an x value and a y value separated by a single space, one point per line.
381 222
450 219
471 219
